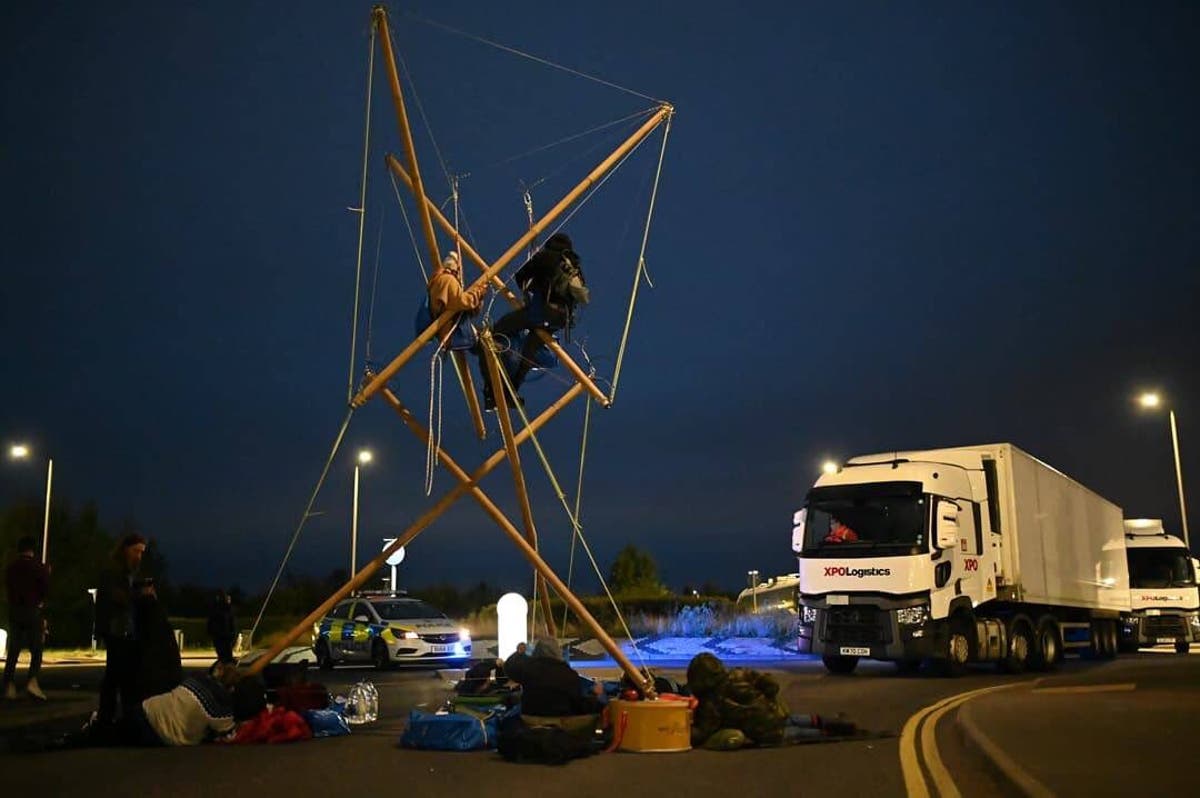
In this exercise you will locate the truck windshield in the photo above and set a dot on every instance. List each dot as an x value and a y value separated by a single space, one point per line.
849 520
1162 567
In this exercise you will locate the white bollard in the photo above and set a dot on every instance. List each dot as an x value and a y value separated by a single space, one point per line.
512 613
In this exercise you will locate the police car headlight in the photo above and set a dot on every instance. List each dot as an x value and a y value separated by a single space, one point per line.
912 616
407 635
464 635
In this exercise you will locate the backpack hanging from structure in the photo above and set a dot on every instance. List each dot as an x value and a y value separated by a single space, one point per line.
462 338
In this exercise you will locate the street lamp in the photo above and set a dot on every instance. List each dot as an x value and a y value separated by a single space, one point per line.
829 467
1152 401
753 575
364 457
20 451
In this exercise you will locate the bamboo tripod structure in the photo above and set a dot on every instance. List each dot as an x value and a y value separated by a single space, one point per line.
468 483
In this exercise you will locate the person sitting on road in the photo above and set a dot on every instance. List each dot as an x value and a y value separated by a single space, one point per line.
549 686
742 706
200 709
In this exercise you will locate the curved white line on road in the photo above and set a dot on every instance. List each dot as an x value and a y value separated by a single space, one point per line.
924 722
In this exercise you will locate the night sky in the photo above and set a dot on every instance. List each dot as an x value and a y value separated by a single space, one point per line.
880 225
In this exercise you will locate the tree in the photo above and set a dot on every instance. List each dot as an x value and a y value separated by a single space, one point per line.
634 572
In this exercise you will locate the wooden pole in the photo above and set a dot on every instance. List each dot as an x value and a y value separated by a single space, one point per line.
385 38
547 338
381 379
529 551
418 526
468 386
500 391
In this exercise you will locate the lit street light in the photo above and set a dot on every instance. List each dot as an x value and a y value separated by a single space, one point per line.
364 457
753 576
20 451
829 467
1153 401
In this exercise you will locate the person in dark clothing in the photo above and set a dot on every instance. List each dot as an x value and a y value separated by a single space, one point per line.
553 285
549 686
116 625
28 583
159 665
222 626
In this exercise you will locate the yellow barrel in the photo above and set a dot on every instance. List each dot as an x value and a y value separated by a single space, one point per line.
652 726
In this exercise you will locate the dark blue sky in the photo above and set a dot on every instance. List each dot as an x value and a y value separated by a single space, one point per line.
880 226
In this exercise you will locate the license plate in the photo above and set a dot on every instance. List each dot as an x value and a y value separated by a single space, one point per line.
852 651
1165 640
433 649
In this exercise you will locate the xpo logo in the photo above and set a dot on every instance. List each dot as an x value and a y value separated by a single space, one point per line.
971 564
858 573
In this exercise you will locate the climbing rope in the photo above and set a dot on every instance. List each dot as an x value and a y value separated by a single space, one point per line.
362 215
587 422
374 283
641 265
337 442
435 390
412 236
522 54
577 529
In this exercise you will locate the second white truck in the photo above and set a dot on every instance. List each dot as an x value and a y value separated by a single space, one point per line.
1165 602
968 554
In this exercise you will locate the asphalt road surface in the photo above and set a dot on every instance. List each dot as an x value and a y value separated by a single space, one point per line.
937 758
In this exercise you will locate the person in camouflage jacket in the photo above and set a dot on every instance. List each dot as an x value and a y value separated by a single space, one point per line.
739 698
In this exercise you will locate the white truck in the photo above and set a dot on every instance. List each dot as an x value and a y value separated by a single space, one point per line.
1164 599
969 554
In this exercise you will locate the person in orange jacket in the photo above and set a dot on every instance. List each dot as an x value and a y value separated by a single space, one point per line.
446 292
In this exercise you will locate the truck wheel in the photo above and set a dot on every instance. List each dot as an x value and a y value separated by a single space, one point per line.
324 658
1114 640
842 666
1020 644
1182 646
1047 649
957 652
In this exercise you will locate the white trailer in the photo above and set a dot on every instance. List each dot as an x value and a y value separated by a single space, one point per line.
969 554
1164 599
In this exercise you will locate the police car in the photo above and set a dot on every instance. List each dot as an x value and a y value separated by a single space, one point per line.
383 630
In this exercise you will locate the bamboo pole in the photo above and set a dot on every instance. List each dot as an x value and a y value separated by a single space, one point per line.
601 169
567 361
531 554
468 386
500 392
385 38
418 526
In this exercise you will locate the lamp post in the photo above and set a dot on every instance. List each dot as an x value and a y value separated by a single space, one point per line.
1152 401
20 451
364 457
753 576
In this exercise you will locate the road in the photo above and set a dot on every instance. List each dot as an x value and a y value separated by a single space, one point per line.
876 697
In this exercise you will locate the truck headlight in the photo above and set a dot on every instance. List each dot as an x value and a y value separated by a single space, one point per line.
913 616
808 614
1195 620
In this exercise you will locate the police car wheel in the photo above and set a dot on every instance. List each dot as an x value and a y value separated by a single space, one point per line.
379 656
324 658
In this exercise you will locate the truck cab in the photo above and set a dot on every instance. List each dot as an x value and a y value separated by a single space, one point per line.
890 549
957 555
1164 597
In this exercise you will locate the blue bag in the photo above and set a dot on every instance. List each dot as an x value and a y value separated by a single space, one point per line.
326 722
455 731
463 338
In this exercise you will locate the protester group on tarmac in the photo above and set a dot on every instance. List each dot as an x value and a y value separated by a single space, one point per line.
534 706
